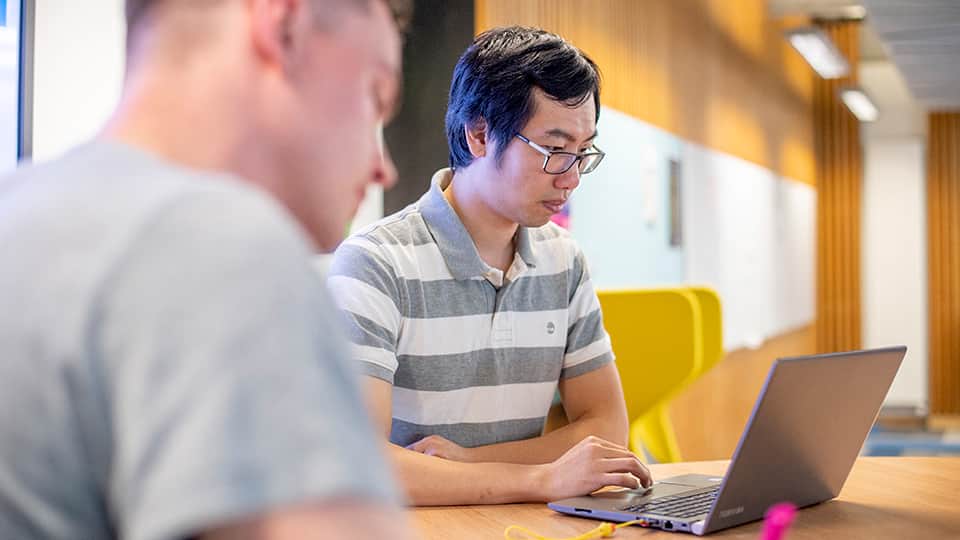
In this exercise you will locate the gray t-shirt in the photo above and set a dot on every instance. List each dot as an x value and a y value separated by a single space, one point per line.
168 355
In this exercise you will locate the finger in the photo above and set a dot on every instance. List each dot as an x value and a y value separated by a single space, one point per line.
418 446
645 476
626 480
621 464
630 465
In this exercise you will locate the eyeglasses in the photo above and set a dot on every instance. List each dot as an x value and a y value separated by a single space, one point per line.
555 162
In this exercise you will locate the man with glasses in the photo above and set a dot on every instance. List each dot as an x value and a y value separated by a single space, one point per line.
469 309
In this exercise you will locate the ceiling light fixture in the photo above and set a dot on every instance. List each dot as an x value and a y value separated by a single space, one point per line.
819 51
859 103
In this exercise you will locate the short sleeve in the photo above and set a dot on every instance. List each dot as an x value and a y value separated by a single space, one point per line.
226 373
588 345
364 286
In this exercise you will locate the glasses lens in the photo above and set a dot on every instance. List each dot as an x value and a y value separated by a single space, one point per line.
590 162
559 162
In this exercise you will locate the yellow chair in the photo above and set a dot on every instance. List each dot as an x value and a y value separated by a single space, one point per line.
663 339
711 315
656 337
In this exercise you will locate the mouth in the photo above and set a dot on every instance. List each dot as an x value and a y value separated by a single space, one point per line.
554 206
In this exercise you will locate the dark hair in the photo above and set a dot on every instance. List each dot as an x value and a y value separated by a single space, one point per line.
494 81
136 11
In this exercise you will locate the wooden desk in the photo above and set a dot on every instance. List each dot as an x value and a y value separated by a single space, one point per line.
909 498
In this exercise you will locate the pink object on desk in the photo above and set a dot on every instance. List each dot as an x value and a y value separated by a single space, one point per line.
777 520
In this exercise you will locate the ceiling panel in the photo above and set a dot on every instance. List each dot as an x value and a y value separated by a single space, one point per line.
923 39
870 46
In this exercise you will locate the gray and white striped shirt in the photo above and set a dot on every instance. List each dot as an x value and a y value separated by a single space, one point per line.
473 355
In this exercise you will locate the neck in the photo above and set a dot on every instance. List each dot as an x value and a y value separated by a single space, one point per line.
492 233
192 122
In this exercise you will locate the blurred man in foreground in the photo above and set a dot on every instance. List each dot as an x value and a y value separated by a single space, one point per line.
169 363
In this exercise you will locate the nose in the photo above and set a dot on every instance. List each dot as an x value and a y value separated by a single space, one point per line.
384 170
568 180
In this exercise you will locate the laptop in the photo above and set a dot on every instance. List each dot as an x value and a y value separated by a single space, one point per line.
804 434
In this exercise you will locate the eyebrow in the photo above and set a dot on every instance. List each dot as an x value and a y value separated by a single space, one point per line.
564 135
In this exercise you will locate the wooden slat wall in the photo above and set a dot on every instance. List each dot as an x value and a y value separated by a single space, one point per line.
943 226
710 414
839 187
723 78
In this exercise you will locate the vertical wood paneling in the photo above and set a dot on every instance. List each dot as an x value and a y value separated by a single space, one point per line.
709 416
839 187
723 78
943 226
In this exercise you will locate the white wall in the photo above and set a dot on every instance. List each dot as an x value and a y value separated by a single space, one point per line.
620 214
894 238
894 260
747 232
750 236
78 71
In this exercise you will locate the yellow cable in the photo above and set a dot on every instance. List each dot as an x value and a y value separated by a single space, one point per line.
604 530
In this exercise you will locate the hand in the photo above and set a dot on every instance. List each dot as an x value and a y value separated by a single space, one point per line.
437 446
590 465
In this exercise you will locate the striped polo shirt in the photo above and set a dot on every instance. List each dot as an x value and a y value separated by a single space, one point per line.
474 354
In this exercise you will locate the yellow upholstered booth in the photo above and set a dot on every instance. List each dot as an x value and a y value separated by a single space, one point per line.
663 340
711 316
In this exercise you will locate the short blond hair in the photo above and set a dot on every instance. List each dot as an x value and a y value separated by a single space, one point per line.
139 11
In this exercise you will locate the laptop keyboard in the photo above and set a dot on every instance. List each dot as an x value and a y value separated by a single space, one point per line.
679 506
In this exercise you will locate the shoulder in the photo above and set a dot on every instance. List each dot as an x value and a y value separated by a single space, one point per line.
215 226
394 244
115 195
556 243
113 214
219 210
403 229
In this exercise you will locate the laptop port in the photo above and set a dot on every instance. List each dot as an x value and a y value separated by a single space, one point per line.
668 525
583 510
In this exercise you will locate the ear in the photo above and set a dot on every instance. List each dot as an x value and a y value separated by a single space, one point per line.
477 139
278 29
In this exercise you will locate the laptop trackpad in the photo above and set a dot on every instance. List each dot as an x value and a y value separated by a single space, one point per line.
668 486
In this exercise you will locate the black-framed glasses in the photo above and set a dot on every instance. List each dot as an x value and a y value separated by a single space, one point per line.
556 162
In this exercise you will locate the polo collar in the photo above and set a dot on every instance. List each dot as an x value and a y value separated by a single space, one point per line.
455 243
